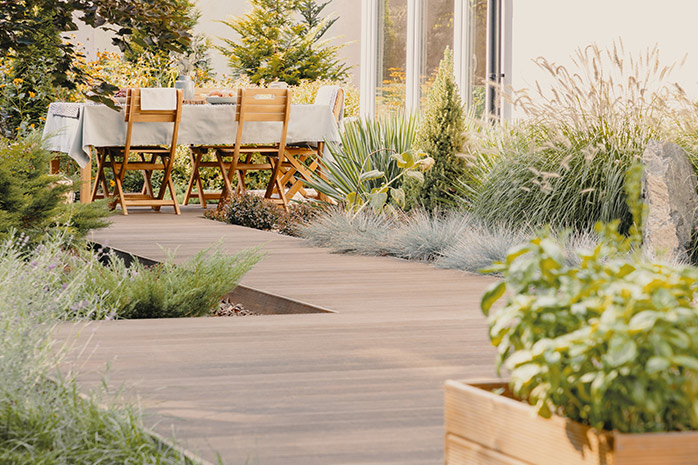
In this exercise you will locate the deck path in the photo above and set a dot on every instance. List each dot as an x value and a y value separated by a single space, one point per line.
362 386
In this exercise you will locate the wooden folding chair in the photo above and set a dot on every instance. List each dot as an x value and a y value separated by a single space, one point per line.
257 105
120 163
197 154
296 169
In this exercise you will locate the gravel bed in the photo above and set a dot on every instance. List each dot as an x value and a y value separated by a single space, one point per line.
228 308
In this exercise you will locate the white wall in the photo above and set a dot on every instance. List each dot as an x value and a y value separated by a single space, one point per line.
555 28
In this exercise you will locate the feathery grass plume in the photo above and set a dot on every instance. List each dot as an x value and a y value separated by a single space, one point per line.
45 421
440 136
366 233
566 163
482 244
425 236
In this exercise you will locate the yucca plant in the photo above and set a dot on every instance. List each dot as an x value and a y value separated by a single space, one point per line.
366 145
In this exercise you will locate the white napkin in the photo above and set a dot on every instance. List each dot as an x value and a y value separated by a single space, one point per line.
158 99
67 109
327 95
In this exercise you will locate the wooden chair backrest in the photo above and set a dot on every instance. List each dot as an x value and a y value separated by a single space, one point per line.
264 104
134 114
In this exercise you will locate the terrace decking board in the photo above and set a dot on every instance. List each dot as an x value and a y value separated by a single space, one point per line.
362 386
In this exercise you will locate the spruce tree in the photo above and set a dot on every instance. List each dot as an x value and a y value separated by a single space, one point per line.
273 45
441 134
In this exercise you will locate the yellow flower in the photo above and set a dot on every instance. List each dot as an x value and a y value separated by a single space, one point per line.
111 183
31 94
17 81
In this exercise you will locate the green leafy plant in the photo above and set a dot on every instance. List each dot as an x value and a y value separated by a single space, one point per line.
273 47
248 210
33 201
41 63
441 135
45 420
369 146
167 290
610 342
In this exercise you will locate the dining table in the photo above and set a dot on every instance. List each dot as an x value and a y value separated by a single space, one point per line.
77 128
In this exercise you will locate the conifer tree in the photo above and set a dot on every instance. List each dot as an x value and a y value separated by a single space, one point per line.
273 45
441 134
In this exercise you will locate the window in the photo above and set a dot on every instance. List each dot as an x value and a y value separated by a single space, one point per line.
403 42
392 46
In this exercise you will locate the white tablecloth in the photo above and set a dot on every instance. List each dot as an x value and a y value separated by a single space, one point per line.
100 126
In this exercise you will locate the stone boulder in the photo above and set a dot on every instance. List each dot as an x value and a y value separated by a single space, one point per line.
669 191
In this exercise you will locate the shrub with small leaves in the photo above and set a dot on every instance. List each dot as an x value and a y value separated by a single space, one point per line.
249 210
610 342
298 215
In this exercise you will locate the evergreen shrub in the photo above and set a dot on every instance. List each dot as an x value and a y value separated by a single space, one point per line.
441 136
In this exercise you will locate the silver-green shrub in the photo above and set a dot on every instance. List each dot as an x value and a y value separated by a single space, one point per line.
45 421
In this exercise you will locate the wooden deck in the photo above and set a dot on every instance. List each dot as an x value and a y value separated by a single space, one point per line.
360 386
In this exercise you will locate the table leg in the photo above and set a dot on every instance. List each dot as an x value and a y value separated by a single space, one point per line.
55 165
85 183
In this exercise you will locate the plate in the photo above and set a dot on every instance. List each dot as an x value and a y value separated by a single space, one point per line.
221 100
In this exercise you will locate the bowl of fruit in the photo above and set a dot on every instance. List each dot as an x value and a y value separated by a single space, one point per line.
223 96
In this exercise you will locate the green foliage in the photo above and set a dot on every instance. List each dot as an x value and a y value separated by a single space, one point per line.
256 212
273 47
441 135
30 33
33 201
366 146
299 214
610 342
45 421
166 290
566 165
248 210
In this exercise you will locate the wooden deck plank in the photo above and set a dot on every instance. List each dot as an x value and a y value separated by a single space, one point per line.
362 386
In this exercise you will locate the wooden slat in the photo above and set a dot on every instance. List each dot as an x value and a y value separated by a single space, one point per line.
268 108
139 165
511 427
147 202
461 452
273 117
656 448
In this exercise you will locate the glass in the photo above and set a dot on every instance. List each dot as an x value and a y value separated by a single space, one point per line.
438 34
390 89
478 55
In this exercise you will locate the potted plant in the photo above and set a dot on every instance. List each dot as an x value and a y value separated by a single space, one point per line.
601 344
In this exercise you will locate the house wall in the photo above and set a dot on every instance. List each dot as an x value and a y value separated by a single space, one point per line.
347 30
555 28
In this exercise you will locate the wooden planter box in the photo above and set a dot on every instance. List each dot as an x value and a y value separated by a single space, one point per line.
487 428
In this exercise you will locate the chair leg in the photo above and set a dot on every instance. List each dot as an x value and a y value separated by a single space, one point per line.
100 176
118 186
167 182
195 178
275 181
147 177
227 185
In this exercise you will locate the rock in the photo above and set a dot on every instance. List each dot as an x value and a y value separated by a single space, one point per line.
669 191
